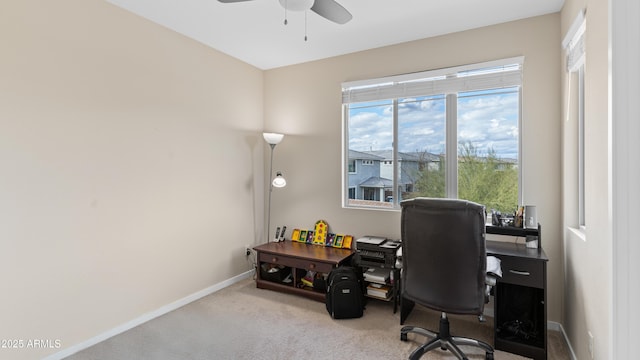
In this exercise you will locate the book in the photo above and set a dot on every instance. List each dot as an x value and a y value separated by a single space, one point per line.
379 291
338 240
302 237
346 242
330 238
295 235
309 237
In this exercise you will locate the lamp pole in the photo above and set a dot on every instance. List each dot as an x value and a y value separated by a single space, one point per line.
272 139
270 191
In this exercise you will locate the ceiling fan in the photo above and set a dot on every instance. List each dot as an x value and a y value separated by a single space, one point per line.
328 9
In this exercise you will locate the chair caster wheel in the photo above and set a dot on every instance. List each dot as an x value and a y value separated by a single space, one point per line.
489 356
403 337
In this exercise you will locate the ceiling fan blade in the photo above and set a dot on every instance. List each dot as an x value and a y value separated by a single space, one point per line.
331 10
232 1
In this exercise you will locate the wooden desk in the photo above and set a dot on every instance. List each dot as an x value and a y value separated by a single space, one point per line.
299 257
520 309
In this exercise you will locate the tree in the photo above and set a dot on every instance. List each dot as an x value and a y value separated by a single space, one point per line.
487 180
430 182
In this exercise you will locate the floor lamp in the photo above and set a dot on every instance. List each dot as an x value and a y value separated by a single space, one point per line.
273 139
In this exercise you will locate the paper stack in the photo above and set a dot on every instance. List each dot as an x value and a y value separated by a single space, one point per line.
379 291
377 275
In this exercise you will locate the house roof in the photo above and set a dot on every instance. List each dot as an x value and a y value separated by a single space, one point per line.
405 156
363 155
377 182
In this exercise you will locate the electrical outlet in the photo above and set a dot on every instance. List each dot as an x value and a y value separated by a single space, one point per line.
247 250
590 343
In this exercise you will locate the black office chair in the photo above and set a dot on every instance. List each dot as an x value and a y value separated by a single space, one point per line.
443 267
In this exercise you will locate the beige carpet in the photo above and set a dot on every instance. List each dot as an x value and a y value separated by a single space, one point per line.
243 322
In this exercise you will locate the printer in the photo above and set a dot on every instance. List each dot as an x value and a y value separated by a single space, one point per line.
374 251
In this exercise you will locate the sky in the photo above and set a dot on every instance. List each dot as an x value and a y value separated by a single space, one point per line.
487 119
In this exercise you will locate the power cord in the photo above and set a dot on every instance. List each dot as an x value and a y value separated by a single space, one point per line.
251 261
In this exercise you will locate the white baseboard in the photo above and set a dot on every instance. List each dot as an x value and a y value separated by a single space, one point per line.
148 316
554 326
551 325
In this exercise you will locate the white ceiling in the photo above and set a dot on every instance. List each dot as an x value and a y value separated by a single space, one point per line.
254 32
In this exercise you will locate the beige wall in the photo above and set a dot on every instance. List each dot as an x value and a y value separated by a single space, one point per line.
304 101
114 132
587 289
129 156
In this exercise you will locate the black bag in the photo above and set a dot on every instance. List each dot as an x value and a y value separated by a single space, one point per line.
345 297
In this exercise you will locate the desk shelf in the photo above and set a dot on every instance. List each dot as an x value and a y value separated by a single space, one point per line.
298 257
392 283
514 231
520 309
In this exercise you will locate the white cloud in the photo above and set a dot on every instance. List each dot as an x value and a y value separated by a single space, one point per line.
488 121
369 130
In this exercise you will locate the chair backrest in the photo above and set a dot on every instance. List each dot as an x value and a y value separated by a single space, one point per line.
444 254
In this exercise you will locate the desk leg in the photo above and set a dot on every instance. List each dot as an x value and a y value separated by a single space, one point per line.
395 285
406 306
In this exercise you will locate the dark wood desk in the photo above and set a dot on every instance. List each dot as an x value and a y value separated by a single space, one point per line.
298 257
520 309
520 295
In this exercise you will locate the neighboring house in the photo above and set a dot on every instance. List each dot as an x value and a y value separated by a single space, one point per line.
363 166
371 173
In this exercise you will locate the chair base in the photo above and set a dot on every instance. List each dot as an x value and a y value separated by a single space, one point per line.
443 340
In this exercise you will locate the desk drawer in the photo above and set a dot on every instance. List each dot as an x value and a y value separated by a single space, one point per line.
295 262
523 272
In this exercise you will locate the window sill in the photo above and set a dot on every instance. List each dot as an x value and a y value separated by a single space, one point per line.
578 232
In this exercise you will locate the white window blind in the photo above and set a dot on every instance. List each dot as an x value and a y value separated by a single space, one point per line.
482 76
574 43
575 48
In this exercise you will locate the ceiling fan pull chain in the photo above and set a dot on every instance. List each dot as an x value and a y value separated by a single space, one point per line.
305 25
285 12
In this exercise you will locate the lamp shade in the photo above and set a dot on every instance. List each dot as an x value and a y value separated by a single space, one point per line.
297 5
279 181
272 138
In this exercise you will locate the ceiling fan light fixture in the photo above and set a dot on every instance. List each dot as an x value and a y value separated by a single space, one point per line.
297 5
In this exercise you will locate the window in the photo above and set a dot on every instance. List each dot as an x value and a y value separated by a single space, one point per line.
371 194
581 157
352 166
574 45
443 133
